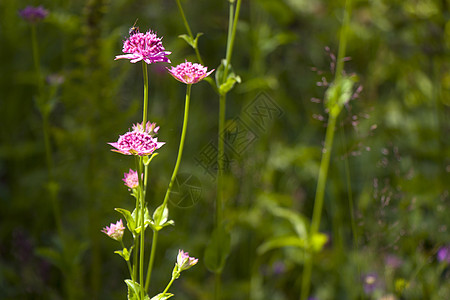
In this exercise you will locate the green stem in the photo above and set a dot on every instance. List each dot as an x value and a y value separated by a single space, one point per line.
186 25
141 252
128 262
343 39
169 284
318 201
180 150
324 164
152 259
220 160
37 64
232 26
349 192
145 113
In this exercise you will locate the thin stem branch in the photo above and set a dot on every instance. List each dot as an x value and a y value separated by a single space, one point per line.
324 164
142 206
145 109
151 261
186 25
128 262
168 285
180 150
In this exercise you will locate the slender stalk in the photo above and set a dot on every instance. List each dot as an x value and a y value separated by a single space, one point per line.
186 24
151 261
145 113
349 192
318 201
180 149
142 232
324 164
36 60
231 38
343 39
128 262
169 285
172 180
45 112
232 25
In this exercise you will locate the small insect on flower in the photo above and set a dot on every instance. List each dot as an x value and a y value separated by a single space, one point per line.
134 29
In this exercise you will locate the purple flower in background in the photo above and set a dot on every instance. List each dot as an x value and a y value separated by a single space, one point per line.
393 261
33 14
370 283
443 254
144 46
278 268
139 141
131 179
189 73
115 231
184 261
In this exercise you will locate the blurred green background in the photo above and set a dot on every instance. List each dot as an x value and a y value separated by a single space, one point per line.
394 139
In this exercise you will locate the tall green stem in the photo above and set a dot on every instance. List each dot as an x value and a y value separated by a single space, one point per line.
318 202
180 149
324 164
186 24
151 261
172 180
141 252
145 113
232 25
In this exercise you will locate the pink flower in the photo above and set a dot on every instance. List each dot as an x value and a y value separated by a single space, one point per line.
189 73
184 262
138 142
144 46
115 231
131 179
33 14
150 128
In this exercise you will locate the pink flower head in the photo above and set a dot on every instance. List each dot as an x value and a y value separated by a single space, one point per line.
115 231
144 46
131 179
189 73
150 128
33 14
138 142
184 262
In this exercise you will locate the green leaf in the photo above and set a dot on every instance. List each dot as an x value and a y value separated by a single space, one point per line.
217 250
160 218
191 42
131 224
298 222
162 297
284 241
134 290
219 72
125 253
136 216
229 84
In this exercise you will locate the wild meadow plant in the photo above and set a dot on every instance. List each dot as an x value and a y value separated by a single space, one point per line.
218 248
141 143
65 251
